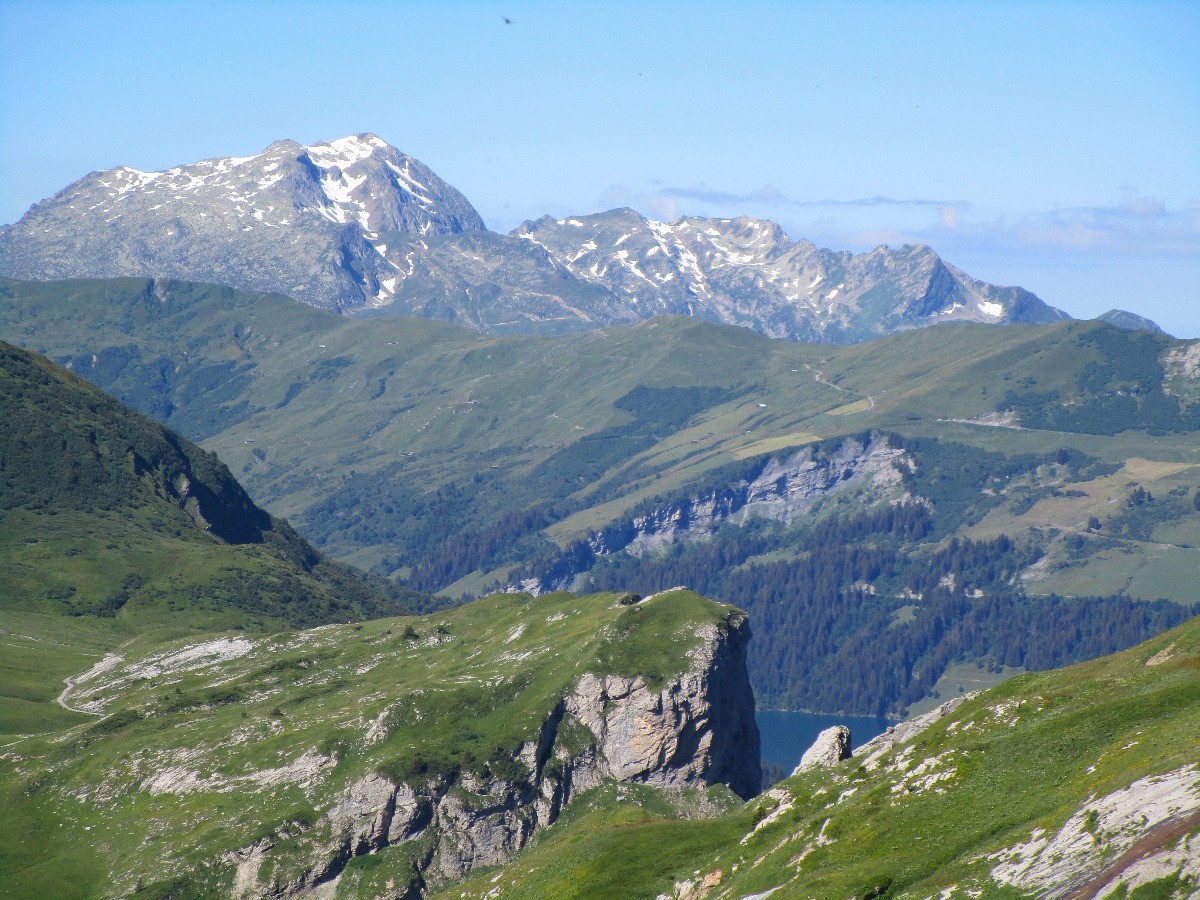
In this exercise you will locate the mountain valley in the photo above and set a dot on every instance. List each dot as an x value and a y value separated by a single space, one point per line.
351 549
678 451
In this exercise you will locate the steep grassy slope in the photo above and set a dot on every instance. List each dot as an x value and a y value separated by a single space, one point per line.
329 421
115 529
256 765
1051 783
459 463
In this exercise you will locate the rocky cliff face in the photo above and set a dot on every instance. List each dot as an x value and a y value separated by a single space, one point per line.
786 487
783 489
693 730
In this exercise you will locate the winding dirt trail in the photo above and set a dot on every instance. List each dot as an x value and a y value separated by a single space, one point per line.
110 660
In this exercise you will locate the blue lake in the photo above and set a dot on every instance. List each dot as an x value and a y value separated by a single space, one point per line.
786 735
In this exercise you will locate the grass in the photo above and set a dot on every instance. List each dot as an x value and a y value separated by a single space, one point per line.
36 657
477 583
795 440
1161 564
83 559
850 409
958 679
442 695
1027 754
1142 572
113 530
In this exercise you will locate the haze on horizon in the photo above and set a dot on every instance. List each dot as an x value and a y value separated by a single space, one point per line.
1051 145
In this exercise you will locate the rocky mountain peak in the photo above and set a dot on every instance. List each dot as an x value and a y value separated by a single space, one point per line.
296 219
747 271
368 181
1129 321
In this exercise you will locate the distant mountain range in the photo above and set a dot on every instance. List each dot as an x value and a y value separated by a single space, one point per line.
357 226
747 272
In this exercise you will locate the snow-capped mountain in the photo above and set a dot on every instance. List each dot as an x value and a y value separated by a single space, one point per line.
357 226
495 283
748 272
302 220
618 267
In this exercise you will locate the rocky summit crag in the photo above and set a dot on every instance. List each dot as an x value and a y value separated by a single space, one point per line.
357 226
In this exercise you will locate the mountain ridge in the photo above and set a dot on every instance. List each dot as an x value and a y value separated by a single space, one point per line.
106 514
460 462
357 226
746 271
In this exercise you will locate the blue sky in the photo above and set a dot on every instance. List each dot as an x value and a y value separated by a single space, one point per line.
1051 145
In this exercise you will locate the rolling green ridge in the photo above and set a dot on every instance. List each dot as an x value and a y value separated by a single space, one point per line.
115 530
456 462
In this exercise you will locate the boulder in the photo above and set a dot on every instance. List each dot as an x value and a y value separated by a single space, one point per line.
830 748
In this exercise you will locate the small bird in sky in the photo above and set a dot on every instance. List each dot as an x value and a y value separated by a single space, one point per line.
507 20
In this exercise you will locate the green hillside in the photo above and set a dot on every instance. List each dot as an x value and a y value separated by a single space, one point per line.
114 529
284 749
1054 784
1062 459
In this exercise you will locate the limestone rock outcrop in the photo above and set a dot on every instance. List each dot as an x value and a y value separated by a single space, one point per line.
783 489
830 748
697 729
905 731
693 729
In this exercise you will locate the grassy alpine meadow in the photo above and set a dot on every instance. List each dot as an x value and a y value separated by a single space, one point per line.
935 816
89 584
200 748
116 532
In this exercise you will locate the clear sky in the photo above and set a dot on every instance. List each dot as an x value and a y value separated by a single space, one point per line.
1051 145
